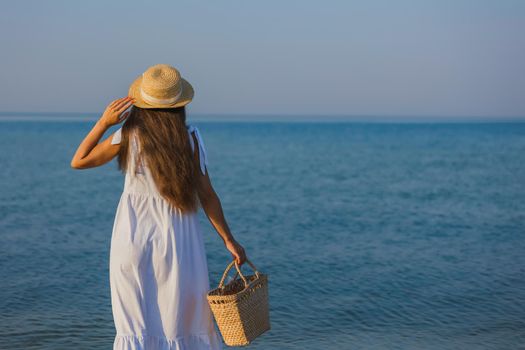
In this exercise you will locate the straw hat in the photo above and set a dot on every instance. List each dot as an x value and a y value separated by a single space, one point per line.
161 86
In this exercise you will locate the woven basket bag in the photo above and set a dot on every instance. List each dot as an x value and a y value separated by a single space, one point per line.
240 307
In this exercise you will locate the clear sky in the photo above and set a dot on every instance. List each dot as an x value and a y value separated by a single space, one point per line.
401 58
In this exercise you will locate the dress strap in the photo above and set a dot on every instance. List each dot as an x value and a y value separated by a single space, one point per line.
117 137
203 158
135 165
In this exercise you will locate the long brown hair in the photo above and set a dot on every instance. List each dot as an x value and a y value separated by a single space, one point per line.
165 148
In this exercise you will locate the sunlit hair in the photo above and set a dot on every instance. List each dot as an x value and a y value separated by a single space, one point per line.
165 148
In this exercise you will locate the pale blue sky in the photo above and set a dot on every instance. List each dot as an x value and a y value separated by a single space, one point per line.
405 58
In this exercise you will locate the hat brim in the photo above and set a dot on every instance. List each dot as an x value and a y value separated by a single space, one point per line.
184 99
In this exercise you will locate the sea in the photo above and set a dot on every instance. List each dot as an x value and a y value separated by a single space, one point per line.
374 235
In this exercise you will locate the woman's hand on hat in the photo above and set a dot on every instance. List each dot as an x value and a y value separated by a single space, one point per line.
116 111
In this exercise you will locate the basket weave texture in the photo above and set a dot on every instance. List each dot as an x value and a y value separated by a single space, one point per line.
241 307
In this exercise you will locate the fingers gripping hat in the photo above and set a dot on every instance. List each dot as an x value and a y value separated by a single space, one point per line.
161 86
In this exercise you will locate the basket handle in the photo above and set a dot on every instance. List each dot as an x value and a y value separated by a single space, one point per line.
237 267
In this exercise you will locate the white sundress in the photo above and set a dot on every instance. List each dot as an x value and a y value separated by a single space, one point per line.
157 266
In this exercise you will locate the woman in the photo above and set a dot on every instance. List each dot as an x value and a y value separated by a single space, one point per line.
158 269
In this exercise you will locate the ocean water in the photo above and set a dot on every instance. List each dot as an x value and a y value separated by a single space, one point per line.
375 236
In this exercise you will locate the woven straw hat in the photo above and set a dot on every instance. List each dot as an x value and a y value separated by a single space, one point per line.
161 86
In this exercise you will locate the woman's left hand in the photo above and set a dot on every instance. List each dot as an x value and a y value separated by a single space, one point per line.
114 112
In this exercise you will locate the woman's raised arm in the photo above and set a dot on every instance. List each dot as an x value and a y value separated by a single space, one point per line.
91 153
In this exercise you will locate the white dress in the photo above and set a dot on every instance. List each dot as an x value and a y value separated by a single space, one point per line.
158 268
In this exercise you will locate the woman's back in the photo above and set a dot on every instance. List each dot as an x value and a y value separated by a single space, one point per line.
139 179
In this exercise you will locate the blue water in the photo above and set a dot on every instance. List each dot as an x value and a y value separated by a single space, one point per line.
375 236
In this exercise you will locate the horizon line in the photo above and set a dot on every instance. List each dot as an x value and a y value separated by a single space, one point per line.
273 117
